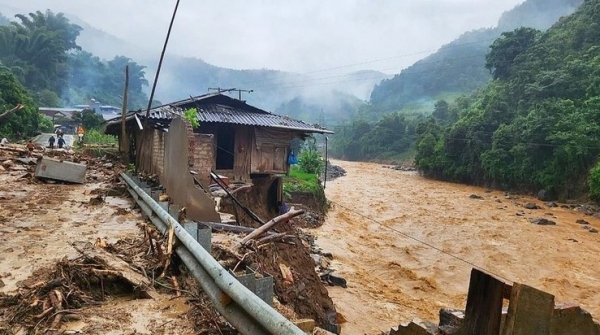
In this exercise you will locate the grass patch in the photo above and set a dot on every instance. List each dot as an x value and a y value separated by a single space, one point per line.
300 181
94 136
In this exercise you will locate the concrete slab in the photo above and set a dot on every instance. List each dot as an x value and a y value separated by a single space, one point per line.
49 168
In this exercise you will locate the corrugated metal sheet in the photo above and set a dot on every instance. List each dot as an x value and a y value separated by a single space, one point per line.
227 114
223 109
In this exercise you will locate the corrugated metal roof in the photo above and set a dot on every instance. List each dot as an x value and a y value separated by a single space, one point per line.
223 109
227 114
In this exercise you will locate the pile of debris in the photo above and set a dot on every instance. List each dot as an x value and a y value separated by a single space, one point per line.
15 160
334 171
98 273
406 168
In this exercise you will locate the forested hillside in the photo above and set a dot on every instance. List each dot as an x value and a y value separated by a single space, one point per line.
328 109
537 124
458 67
40 51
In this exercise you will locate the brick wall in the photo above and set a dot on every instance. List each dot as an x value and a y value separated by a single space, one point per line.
204 156
158 151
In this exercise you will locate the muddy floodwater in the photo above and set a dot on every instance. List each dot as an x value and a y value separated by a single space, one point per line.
393 278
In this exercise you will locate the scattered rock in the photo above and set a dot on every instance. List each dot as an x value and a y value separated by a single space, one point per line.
475 196
551 204
586 227
520 214
545 195
542 222
2 284
593 230
531 205
499 201
582 221
108 165
402 168
572 240
587 209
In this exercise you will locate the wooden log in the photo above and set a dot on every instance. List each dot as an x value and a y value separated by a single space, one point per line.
529 312
263 229
117 266
483 313
270 238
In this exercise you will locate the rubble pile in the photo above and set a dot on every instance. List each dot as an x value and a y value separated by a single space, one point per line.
334 171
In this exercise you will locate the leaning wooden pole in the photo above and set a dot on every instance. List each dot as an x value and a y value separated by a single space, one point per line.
263 229
162 56
123 142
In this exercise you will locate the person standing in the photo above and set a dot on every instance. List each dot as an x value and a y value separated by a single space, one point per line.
80 133
30 147
61 142
51 141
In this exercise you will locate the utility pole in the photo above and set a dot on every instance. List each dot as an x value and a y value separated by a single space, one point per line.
124 143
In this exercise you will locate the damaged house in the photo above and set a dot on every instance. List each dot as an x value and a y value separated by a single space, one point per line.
236 140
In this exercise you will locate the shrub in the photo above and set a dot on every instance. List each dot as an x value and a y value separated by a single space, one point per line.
594 182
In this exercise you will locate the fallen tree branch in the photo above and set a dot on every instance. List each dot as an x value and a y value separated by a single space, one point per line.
270 238
263 229
10 111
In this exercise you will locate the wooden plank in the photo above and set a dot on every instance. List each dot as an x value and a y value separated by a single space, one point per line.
55 169
116 265
484 305
529 312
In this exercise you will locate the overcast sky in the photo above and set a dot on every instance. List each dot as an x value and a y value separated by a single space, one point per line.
290 35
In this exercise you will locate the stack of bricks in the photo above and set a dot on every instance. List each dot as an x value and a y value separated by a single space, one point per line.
204 156
191 142
158 151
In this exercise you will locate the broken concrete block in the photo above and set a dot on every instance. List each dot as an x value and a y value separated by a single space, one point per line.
569 318
49 168
416 327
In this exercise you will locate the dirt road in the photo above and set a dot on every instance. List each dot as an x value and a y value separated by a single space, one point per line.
38 224
392 278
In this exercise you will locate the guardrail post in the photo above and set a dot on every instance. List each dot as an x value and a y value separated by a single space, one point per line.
204 236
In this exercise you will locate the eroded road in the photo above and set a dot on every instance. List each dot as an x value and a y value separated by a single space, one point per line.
393 278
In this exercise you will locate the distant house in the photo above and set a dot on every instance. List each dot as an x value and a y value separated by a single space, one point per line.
107 111
234 139
53 113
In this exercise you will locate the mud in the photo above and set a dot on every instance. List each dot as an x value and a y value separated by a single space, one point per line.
393 278
38 223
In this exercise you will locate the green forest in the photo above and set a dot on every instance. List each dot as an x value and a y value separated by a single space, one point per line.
455 69
458 67
41 64
536 125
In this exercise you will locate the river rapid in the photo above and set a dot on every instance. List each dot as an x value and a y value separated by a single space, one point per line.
393 278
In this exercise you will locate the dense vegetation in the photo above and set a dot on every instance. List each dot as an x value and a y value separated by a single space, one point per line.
389 138
536 125
459 66
40 51
24 122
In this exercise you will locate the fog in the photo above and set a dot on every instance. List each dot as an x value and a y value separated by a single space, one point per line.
297 36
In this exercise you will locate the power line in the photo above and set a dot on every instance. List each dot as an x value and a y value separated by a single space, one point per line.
444 47
422 242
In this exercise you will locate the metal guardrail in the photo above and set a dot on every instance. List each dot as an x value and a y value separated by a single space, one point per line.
249 314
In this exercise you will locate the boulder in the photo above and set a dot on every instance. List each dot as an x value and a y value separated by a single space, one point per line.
545 195
475 196
531 205
542 222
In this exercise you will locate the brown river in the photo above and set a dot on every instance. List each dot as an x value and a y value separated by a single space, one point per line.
393 278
